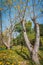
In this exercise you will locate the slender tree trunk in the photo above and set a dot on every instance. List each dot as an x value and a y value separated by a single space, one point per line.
36 46
1 38
26 37
10 31
9 40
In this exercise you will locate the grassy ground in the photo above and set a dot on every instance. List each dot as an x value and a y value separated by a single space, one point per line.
18 56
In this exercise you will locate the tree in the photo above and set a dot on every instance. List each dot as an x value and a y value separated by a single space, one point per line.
35 8
22 21
9 31
33 50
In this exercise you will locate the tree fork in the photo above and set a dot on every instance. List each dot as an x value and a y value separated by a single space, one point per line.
36 46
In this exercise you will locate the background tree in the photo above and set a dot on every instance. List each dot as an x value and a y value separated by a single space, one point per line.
8 5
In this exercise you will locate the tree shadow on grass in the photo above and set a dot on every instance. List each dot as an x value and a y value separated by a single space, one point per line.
25 56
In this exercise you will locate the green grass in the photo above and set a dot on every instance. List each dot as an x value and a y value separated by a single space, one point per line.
17 55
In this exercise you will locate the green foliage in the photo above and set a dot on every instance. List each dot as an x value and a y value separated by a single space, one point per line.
19 28
31 37
19 40
28 26
41 29
2 47
41 39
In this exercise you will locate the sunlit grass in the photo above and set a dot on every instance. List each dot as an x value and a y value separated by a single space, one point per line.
16 56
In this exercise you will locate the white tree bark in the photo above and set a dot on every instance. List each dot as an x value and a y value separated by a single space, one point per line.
6 44
36 46
8 41
26 37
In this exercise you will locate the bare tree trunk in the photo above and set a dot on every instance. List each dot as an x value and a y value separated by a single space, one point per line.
6 44
26 37
9 40
36 46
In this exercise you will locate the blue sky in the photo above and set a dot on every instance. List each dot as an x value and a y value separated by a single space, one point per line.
5 17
